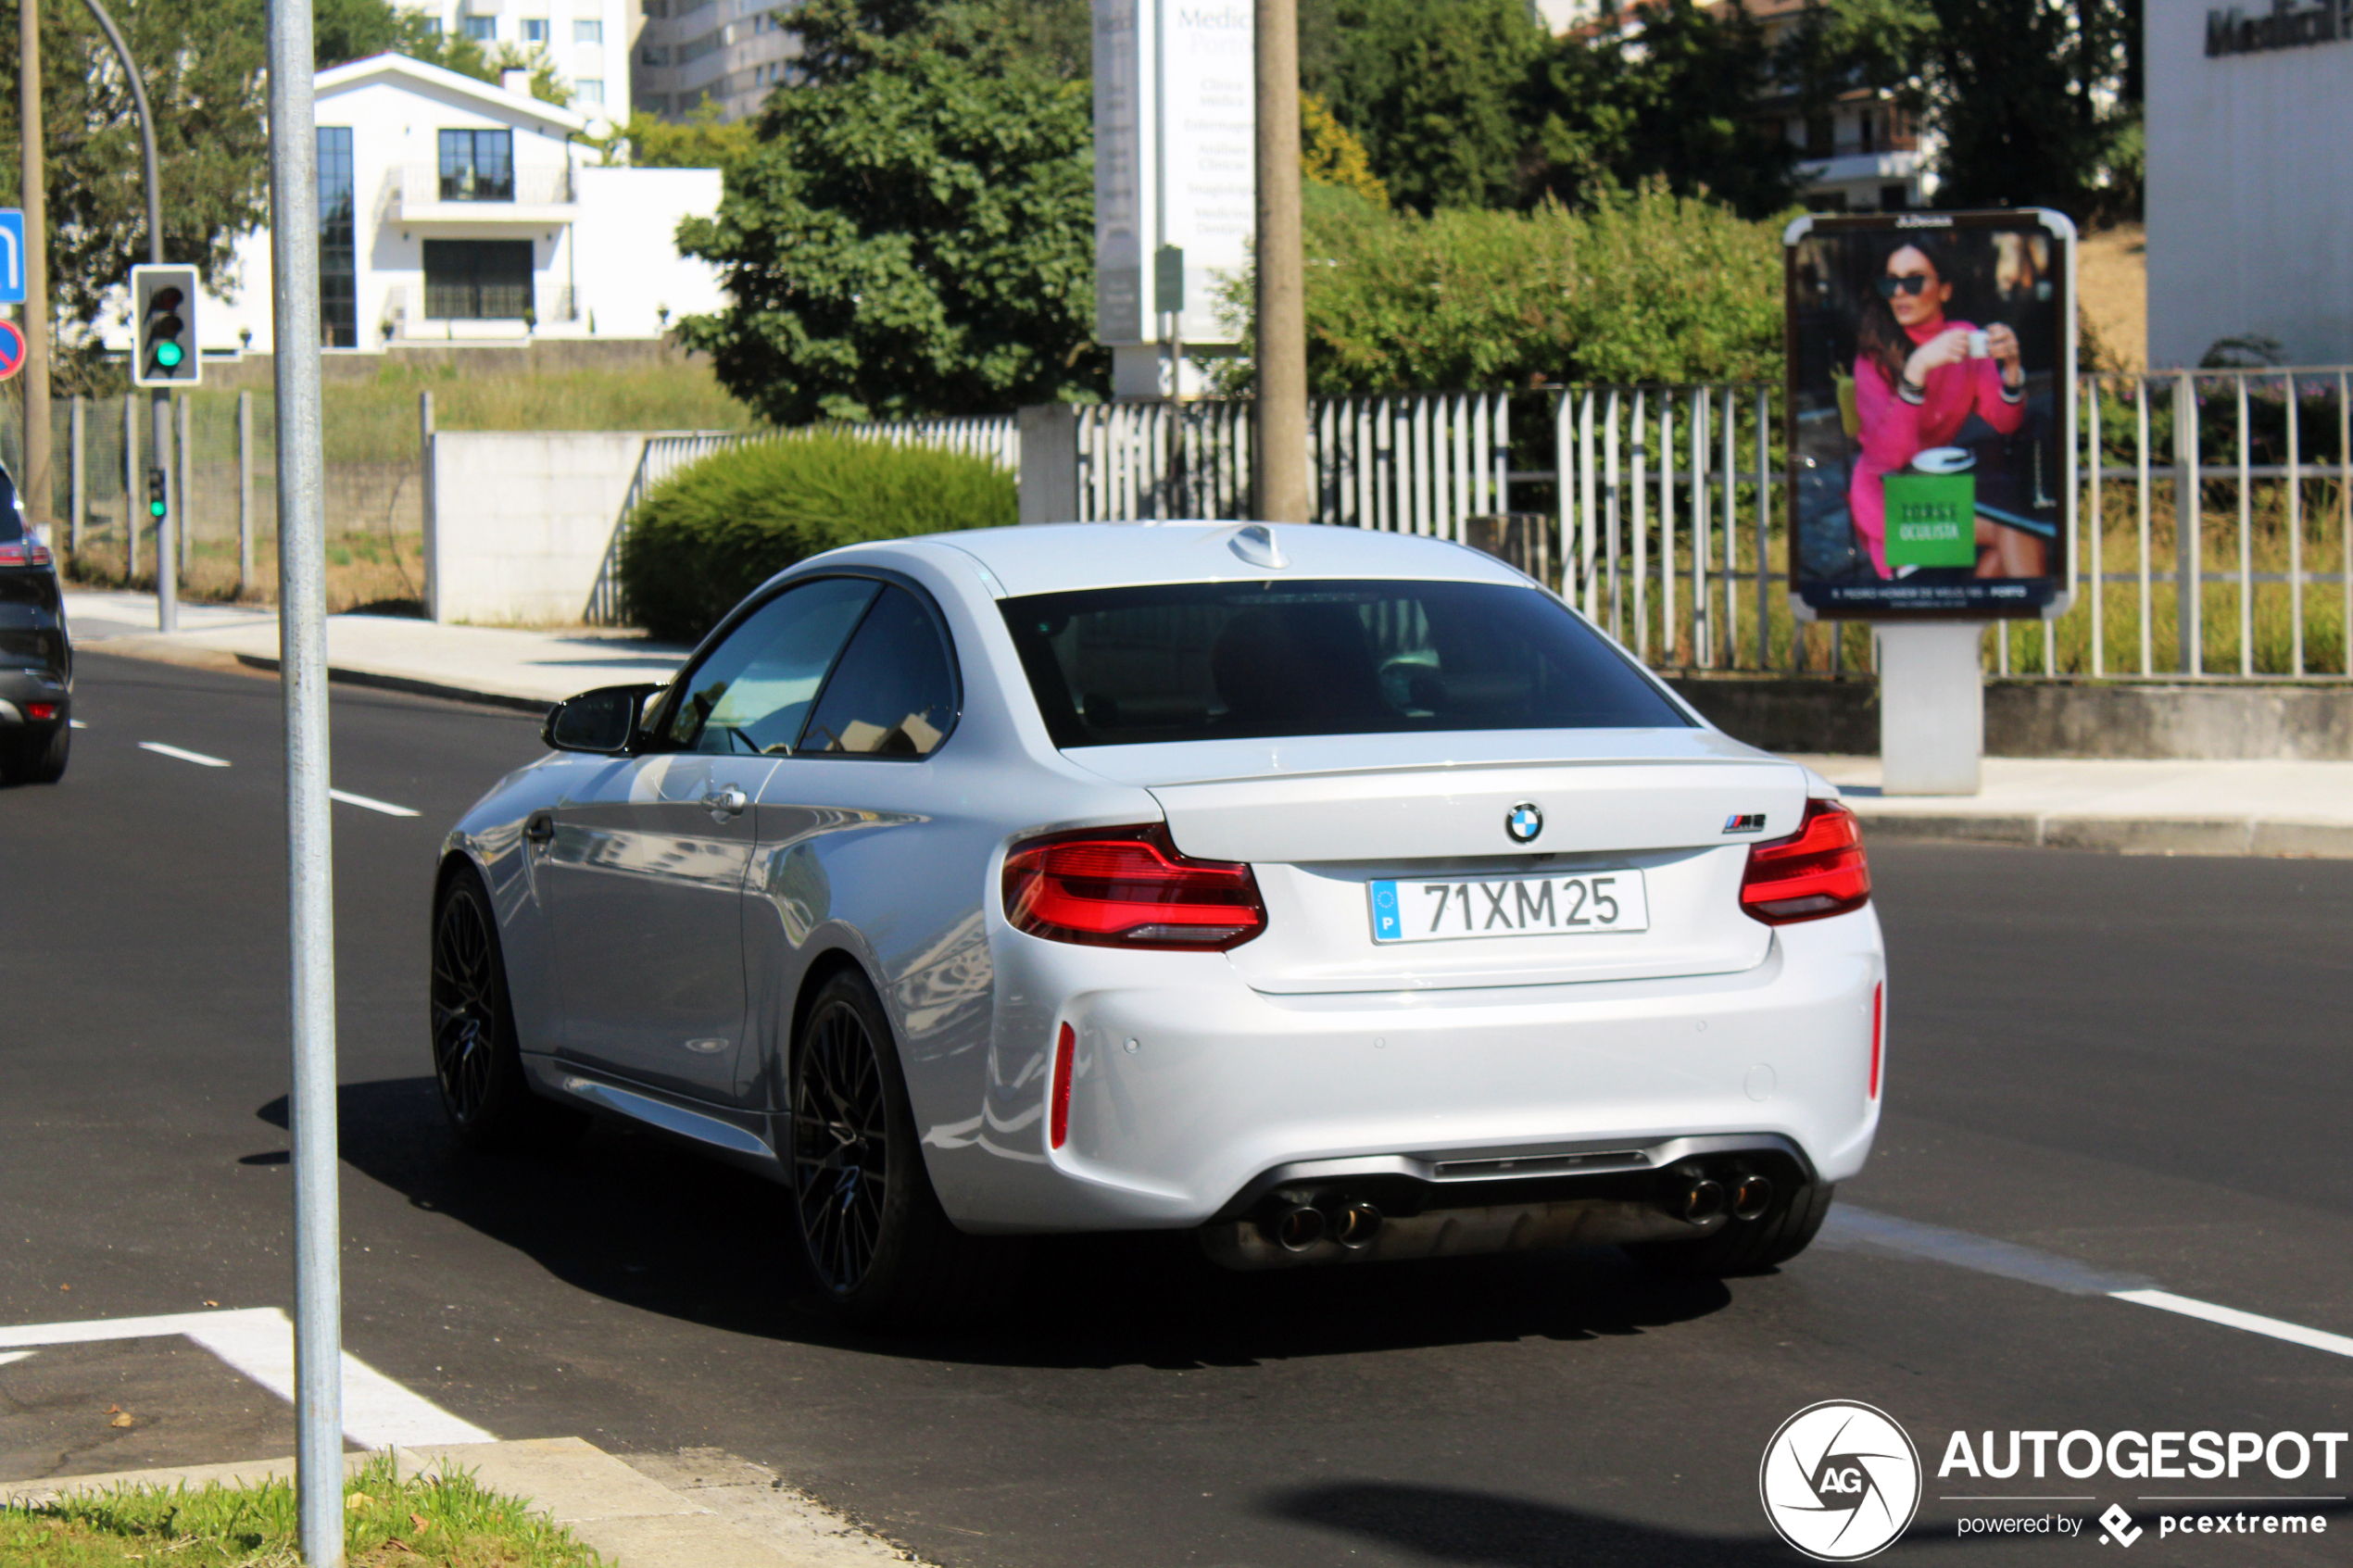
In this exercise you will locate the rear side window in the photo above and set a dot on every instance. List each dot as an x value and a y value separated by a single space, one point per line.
893 694
1212 661
11 525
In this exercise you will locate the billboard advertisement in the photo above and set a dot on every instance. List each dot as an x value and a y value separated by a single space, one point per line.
1932 409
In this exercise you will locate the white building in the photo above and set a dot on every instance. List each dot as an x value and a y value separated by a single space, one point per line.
455 210
2247 230
731 52
588 41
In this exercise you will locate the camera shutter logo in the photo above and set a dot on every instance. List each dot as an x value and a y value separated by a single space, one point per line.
1840 1481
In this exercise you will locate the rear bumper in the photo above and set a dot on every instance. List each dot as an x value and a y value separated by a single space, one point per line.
1192 1094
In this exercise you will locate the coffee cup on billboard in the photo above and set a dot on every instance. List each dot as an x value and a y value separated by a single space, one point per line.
1945 459
1977 349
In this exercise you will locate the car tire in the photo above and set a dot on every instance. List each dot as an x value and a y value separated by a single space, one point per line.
1745 1247
881 1251
37 757
477 1062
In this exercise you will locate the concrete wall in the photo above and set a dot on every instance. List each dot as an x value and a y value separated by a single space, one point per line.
522 523
2050 719
2248 225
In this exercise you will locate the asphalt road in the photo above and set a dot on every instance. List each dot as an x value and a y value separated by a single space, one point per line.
2136 1065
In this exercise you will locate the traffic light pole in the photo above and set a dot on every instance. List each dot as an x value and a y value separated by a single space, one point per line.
166 526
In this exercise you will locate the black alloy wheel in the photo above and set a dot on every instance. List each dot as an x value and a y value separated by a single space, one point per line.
841 1140
467 1005
476 1062
883 1251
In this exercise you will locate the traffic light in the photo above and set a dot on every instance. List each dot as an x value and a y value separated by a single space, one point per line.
163 311
156 503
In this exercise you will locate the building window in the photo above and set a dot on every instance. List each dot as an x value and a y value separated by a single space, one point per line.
338 252
653 54
481 30
587 30
1894 198
477 279
432 26
477 166
589 90
535 29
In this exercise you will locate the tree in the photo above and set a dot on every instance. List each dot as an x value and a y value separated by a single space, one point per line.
1330 155
704 141
202 62
1433 89
1665 93
914 232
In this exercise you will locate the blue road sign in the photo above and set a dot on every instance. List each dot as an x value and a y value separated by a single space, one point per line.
11 255
11 350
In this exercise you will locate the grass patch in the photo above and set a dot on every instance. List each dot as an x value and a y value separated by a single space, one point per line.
432 1521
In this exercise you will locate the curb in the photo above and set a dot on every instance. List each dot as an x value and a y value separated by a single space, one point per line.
347 675
630 1516
2241 836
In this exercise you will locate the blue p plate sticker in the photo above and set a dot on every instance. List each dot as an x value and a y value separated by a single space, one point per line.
1386 924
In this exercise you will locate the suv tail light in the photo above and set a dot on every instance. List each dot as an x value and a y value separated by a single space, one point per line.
1128 887
1817 870
32 551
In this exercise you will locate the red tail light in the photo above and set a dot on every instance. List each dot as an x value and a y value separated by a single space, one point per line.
1817 871
40 712
1066 1053
1127 887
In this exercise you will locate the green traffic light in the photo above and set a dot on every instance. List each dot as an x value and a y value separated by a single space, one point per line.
167 355
155 510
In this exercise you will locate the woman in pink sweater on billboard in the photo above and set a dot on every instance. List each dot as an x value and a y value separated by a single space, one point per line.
1919 375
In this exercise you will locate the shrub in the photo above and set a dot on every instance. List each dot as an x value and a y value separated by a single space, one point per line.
717 529
1642 286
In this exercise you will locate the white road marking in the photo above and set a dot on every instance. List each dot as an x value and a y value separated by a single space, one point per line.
386 807
8 1356
1863 1230
2231 1317
198 758
76 724
259 1342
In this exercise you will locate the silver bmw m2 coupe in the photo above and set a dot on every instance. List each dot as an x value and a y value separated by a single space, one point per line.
1338 895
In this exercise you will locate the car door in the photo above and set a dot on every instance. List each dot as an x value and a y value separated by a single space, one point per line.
646 873
860 826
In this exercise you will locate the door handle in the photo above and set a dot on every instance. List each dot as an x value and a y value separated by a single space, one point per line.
725 803
539 829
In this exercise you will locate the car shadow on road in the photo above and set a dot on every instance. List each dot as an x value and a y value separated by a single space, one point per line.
1463 1524
629 1216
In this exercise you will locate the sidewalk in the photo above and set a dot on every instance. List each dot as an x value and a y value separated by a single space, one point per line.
701 1508
2298 808
510 668
2135 807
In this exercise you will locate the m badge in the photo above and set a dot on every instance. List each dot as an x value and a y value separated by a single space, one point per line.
1744 822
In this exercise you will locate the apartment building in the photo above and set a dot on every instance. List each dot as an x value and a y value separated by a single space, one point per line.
588 39
732 53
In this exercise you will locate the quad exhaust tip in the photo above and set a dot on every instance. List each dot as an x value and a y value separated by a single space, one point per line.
1752 1195
1355 1225
1702 1200
1299 1226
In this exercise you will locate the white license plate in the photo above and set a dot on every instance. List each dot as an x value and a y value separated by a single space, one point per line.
1586 903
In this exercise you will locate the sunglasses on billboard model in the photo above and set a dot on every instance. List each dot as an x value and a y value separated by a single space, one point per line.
1907 283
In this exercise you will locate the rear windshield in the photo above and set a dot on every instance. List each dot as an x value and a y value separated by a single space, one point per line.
11 526
1215 660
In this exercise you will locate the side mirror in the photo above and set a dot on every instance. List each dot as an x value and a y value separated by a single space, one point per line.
604 721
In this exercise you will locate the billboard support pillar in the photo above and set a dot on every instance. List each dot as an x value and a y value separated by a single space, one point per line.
1931 707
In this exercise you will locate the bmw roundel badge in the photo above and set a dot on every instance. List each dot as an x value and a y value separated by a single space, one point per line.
1524 822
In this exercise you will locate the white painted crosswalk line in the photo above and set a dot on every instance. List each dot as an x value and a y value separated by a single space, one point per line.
259 1342
386 807
198 758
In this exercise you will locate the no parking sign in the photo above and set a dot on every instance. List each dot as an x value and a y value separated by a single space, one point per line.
11 350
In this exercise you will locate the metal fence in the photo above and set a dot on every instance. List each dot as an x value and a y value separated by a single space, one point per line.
1664 513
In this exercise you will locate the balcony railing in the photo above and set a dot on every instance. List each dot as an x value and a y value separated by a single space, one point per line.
548 185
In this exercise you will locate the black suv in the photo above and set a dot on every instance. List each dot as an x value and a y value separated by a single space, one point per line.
36 662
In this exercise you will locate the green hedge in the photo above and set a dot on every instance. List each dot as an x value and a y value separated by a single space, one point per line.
717 529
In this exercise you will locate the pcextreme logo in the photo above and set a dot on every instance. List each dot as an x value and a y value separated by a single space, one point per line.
1840 1481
